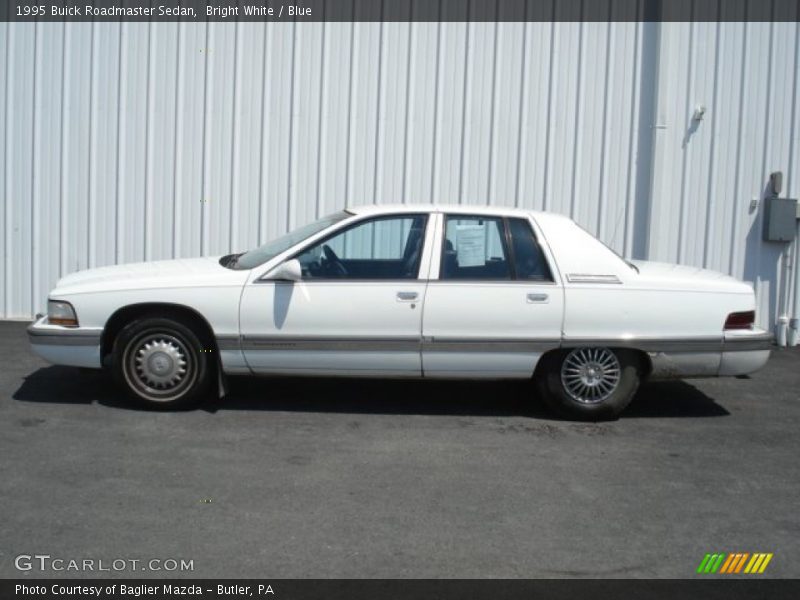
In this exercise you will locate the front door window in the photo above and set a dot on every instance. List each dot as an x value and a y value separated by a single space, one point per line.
376 249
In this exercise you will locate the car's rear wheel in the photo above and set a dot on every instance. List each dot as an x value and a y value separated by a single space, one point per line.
161 363
589 384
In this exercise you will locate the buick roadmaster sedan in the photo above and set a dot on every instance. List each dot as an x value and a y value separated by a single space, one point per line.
457 292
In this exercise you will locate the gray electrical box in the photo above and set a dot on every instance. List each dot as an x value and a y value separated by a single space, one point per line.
780 219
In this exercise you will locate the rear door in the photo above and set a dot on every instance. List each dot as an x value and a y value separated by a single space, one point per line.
493 305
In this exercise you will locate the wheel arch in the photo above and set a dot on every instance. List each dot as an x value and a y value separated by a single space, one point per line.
646 365
180 312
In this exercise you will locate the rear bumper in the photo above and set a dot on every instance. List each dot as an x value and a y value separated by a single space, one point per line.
745 352
736 353
71 346
746 340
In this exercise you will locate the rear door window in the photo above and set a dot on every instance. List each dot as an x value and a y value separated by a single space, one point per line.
475 249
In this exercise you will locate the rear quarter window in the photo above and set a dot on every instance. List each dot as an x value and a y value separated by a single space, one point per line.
529 260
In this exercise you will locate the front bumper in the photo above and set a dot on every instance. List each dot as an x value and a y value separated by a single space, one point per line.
71 346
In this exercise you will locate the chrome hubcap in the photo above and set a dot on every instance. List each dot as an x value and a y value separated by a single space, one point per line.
159 365
590 375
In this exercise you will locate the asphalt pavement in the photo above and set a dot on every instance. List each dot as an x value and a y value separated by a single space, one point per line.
347 478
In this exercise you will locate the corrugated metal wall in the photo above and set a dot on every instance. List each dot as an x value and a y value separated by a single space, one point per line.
138 141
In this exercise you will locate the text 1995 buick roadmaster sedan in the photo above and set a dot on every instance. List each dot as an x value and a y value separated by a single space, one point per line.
408 291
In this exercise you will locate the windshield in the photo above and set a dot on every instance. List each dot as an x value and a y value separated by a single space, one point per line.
271 249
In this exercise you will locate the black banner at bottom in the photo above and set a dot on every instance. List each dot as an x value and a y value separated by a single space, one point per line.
397 589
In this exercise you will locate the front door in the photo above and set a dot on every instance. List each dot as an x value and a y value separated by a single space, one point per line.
357 310
495 307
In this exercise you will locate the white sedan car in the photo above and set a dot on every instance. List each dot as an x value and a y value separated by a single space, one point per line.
408 291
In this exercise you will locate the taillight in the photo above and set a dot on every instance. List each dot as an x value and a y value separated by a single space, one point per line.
741 320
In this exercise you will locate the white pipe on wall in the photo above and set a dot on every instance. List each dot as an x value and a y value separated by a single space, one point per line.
782 321
793 335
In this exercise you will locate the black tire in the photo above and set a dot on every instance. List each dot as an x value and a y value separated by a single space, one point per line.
554 371
161 363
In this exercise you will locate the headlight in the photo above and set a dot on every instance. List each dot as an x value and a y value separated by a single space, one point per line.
61 313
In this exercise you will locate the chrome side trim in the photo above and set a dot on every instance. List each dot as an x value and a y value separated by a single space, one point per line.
255 342
483 345
228 342
592 278
736 343
399 344
63 337
729 343
332 280
700 344
696 344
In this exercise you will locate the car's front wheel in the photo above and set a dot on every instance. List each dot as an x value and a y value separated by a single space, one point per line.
161 363
589 384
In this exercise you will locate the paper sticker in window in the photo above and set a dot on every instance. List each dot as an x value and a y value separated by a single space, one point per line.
471 245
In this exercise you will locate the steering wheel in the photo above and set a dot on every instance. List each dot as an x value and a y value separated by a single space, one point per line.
333 262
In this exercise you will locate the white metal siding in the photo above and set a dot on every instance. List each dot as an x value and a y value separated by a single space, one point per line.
705 177
137 141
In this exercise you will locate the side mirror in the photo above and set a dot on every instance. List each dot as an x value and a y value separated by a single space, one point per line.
287 271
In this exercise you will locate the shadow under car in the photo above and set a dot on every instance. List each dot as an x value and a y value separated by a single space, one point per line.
665 399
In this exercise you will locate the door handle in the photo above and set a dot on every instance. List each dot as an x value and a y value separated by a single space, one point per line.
537 298
407 296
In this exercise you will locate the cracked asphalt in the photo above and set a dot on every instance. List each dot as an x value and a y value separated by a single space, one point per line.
345 478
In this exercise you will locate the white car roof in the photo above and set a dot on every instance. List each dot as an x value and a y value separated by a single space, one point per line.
473 209
577 250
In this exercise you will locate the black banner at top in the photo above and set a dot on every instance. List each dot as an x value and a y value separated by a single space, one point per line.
399 10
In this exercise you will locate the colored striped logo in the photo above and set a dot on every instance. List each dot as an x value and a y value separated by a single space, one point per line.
735 562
